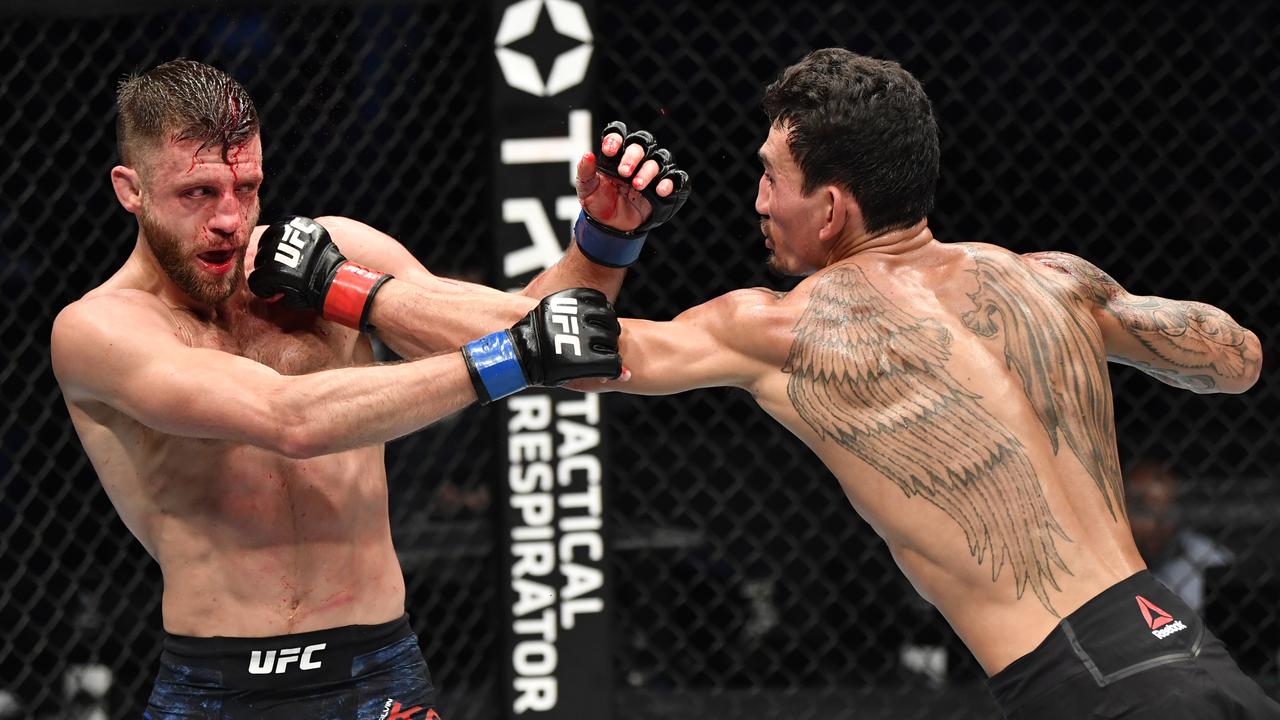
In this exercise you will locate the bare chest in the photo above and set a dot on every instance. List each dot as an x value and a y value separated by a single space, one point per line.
290 342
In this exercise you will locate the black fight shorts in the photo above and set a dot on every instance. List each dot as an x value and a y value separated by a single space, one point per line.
361 672
1134 651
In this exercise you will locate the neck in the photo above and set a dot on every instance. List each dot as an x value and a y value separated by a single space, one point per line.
893 242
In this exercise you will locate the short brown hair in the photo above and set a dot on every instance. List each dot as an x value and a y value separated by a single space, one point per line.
183 100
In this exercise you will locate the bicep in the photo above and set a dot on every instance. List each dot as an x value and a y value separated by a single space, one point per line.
154 378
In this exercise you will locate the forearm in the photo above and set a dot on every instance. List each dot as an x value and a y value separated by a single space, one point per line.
664 358
336 410
575 270
422 318
417 321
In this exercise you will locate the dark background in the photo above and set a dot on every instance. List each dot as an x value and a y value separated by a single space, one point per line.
1143 137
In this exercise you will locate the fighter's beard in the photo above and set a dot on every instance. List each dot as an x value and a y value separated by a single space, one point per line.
182 270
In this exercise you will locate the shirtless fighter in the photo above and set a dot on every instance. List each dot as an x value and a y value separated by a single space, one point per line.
241 438
960 395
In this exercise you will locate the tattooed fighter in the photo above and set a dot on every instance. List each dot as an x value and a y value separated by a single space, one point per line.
959 392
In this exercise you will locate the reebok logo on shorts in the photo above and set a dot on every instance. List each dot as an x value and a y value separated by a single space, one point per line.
393 710
1161 623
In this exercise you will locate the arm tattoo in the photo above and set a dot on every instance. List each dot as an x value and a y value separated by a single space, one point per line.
872 378
1185 336
1062 364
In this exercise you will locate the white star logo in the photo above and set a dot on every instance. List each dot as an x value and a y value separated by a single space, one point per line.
569 68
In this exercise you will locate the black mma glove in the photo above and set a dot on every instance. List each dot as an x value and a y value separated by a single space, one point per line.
609 246
572 334
297 259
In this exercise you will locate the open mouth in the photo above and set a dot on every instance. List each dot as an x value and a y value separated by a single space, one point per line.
218 261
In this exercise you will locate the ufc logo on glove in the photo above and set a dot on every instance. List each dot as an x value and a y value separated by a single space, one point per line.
564 313
289 252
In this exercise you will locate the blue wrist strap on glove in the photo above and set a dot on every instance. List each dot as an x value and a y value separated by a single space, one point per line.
611 249
495 369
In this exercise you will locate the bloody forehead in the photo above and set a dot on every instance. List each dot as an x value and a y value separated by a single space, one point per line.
191 157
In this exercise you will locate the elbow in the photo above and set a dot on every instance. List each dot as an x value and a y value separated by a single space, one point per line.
1250 368
295 429
299 442
1252 361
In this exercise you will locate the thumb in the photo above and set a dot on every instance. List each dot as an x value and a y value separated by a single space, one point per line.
587 178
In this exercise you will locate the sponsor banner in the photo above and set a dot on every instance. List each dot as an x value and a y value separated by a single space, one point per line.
555 549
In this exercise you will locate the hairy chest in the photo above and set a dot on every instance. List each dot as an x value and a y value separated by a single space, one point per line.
291 342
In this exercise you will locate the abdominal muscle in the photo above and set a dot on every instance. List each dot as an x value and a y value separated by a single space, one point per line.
254 544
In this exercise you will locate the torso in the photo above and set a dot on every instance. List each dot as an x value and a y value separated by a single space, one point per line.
252 543
961 397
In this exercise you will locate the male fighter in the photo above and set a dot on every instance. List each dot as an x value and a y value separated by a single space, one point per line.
241 438
959 393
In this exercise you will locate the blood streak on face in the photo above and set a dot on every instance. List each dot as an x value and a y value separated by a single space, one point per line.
233 156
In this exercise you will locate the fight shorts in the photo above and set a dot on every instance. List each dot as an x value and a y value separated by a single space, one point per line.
358 672
1134 651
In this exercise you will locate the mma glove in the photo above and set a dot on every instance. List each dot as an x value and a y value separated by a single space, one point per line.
609 246
298 260
571 334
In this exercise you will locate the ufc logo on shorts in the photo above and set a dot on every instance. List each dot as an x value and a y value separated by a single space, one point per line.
289 252
261 662
564 312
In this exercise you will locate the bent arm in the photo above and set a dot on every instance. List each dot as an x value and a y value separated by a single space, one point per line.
1186 344
158 380
419 313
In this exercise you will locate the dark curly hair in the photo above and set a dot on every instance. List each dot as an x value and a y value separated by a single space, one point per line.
864 124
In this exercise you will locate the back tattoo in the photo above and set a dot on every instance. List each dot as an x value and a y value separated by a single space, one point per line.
873 378
1061 362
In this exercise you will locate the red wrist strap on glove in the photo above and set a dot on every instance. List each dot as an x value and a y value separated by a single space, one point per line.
351 295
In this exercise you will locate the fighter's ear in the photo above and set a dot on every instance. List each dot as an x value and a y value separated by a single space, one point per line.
128 187
843 213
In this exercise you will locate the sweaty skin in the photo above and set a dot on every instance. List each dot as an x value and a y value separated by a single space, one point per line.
242 442
957 391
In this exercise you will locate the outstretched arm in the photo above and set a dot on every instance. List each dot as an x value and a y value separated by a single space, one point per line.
731 341
1186 344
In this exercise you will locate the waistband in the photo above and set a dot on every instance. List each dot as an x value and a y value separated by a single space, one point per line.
284 660
1135 625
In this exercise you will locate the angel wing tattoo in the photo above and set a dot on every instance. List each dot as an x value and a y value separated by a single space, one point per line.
1062 364
871 377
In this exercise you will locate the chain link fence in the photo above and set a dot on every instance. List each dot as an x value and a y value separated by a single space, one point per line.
1143 136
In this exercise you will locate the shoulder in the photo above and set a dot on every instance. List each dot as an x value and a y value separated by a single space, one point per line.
750 306
97 322
117 308
1073 270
